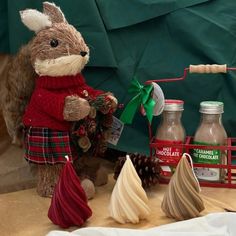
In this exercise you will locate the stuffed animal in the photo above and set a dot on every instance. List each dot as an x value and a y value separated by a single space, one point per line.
58 53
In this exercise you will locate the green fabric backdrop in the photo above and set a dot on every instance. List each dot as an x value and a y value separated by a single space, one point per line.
153 39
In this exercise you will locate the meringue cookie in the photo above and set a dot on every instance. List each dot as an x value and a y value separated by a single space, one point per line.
69 206
128 200
182 199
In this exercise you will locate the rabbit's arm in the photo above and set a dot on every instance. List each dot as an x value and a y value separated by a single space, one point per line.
75 108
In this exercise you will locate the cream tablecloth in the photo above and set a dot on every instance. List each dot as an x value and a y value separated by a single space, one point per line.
24 213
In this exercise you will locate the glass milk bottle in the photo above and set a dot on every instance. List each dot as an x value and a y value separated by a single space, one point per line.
170 131
210 132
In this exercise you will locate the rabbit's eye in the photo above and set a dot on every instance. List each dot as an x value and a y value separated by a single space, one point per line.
54 43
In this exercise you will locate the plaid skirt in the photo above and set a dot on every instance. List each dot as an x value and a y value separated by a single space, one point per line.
43 145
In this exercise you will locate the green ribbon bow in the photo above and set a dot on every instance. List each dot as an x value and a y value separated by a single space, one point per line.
143 96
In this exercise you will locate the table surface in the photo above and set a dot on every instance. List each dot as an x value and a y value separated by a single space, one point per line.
24 213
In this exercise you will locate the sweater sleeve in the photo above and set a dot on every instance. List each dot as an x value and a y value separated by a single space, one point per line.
50 103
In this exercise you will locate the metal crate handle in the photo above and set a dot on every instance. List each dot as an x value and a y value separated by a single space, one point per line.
206 69
201 69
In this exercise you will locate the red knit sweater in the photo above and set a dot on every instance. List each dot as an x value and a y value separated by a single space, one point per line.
47 101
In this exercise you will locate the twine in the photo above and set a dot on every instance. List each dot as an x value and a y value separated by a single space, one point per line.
186 155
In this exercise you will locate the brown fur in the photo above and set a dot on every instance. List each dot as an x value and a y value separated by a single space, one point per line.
72 103
16 88
55 14
47 179
70 42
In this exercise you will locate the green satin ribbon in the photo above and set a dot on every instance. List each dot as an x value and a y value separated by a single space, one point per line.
143 96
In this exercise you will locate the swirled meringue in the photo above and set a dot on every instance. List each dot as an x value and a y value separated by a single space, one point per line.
128 200
182 200
69 205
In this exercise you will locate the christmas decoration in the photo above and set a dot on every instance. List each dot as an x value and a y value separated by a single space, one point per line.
146 168
143 96
129 202
69 202
182 199
91 133
59 97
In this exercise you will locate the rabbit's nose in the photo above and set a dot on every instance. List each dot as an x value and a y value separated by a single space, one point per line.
83 53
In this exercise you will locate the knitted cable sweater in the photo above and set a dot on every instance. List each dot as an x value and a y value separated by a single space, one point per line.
46 105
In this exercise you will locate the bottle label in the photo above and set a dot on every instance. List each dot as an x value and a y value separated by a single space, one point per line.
209 157
168 153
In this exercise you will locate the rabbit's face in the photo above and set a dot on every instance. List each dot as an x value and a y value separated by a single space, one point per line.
59 50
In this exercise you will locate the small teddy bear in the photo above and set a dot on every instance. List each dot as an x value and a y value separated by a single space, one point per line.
58 53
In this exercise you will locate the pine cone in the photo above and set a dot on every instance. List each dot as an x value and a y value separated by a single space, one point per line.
107 120
146 167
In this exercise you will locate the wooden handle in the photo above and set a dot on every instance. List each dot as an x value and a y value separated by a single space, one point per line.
208 68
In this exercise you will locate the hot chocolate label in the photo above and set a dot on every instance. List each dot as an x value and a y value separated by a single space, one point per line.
168 153
208 157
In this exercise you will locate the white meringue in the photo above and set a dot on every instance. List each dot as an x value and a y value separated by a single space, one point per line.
128 200
182 199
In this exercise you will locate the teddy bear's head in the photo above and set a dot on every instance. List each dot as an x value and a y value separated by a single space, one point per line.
58 49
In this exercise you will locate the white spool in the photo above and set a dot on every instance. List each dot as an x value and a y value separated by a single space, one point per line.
158 97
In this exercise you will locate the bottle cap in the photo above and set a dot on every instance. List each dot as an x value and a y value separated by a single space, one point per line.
173 105
211 107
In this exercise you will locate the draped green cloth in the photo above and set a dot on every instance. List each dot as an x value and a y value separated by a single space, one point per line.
151 39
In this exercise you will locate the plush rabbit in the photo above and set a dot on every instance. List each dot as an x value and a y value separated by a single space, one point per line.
58 53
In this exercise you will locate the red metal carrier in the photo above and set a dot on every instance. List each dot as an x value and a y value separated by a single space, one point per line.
229 167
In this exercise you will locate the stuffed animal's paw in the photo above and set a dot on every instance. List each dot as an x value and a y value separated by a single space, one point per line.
75 108
89 188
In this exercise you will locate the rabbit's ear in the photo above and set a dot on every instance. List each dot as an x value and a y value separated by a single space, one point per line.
54 12
35 20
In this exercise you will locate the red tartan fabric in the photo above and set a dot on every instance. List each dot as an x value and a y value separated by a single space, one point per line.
43 145
47 101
